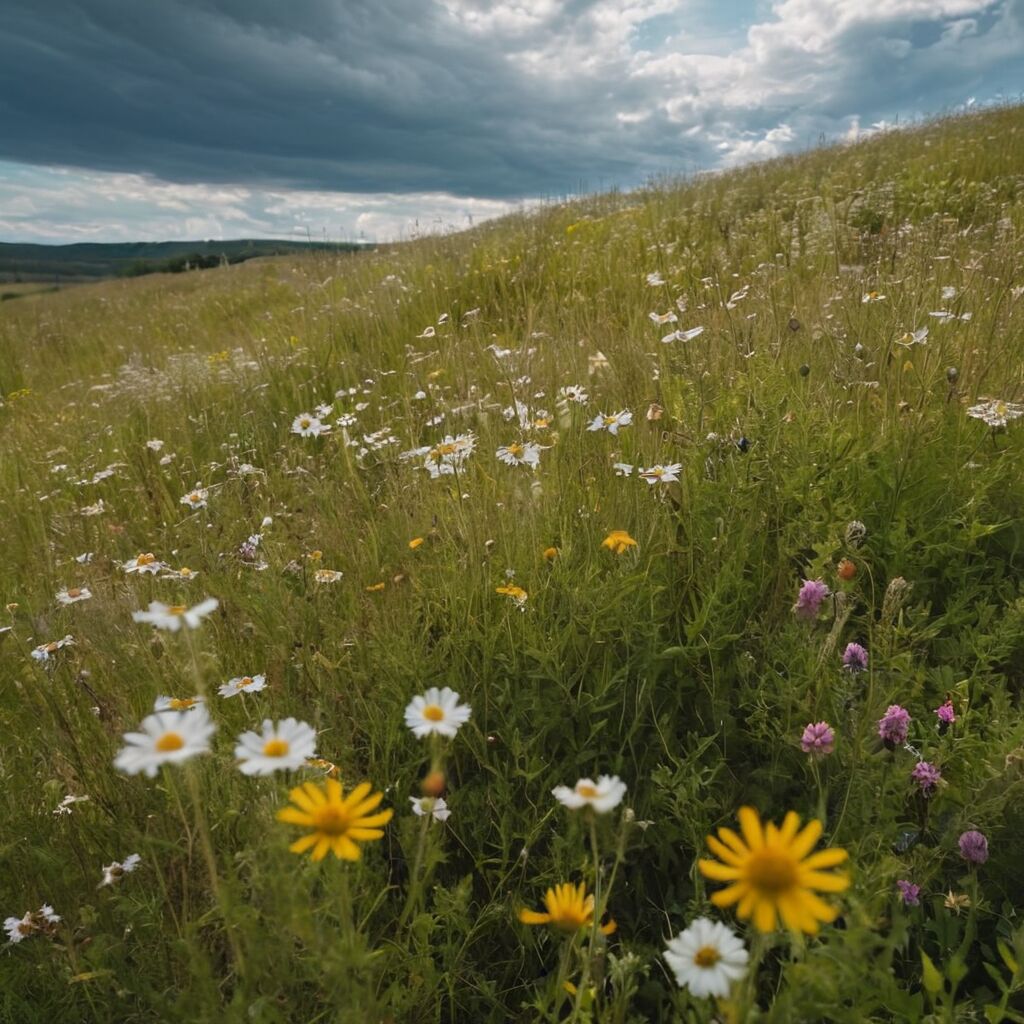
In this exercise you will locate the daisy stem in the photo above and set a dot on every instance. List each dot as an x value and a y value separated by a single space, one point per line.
345 907
748 1001
415 882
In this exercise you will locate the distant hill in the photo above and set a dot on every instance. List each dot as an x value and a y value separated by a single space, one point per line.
92 260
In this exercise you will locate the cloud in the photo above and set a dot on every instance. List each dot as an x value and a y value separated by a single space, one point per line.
466 100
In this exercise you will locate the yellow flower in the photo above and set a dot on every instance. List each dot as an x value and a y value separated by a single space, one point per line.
771 874
374 588
516 593
415 543
550 554
618 541
569 908
337 823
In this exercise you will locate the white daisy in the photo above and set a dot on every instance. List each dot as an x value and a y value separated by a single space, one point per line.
872 297
327 575
35 922
432 805
174 616
285 745
195 499
662 474
145 562
623 468
117 870
623 418
308 425
73 595
574 393
527 454
693 332
43 651
167 737
436 711
655 279
242 684
602 796
995 412
663 318
154 444
707 958
163 703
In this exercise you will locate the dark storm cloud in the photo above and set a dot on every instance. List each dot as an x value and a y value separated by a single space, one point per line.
475 98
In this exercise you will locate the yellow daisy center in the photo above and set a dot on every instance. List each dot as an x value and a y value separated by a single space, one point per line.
74 592
706 956
587 792
170 741
276 747
145 559
331 820
1001 409
433 713
515 450
772 870
182 703
177 609
609 420
305 423
243 682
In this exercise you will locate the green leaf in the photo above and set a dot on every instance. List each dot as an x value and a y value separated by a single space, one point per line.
1008 957
933 983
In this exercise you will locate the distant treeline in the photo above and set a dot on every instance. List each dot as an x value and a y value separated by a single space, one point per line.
32 262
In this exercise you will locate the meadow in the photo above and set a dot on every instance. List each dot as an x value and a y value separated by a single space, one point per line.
706 501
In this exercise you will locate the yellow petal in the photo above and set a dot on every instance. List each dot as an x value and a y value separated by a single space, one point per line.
314 792
364 806
729 895
817 907
374 820
824 882
825 859
298 796
303 844
294 816
357 795
323 844
344 848
804 842
722 852
790 825
364 834
764 916
719 872
334 790
533 917
731 839
750 826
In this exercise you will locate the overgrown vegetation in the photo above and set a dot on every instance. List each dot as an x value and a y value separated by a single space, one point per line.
811 425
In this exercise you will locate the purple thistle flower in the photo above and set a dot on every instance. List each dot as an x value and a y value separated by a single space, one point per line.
855 658
909 893
894 726
818 739
808 601
946 713
927 776
974 847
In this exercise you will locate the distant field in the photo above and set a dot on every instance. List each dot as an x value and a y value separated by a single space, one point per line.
705 500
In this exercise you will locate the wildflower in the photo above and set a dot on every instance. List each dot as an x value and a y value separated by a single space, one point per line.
173 617
527 454
809 600
946 715
327 575
568 908
818 739
894 726
995 412
550 554
436 711
308 425
337 822
618 541
116 871
856 532
575 393
64 807
167 737
770 873
662 474
155 444
601 796
432 805
846 570
612 423
327 767
176 703
855 658
872 297
911 338
43 651
623 468
196 498
242 684
655 279
289 744
73 595
956 901
707 958
415 543
693 332
909 893
516 593
35 922
663 318
927 776
144 563
444 458
973 847
375 588
184 573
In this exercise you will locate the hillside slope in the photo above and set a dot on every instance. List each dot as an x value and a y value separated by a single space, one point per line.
841 316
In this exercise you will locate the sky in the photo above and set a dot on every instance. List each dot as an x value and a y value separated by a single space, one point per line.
125 120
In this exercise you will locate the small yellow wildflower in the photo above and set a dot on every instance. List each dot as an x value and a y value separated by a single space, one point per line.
415 543
516 593
568 908
375 588
618 541
337 822
550 554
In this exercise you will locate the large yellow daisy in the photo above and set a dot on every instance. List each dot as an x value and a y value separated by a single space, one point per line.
771 874
337 821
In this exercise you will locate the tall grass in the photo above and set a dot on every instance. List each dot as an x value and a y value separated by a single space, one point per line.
678 665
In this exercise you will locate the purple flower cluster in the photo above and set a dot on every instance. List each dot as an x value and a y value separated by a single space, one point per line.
927 776
974 847
818 739
809 600
909 893
894 726
855 658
